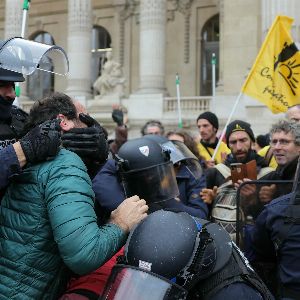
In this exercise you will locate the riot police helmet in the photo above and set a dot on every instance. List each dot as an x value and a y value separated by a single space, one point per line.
10 76
146 170
178 246
180 154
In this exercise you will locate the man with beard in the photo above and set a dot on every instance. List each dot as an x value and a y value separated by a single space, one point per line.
208 126
239 138
221 192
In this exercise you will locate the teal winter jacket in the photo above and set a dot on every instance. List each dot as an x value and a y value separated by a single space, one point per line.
48 228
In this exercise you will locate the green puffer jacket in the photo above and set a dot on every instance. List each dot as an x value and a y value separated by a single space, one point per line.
48 228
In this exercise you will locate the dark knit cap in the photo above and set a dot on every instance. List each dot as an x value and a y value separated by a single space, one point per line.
239 125
210 117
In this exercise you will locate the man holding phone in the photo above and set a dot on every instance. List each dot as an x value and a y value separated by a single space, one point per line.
239 138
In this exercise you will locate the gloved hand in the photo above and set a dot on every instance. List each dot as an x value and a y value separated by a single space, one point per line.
89 143
42 142
118 116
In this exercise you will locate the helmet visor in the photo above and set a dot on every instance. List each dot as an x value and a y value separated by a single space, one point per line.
180 153
126 282
24 56
154 184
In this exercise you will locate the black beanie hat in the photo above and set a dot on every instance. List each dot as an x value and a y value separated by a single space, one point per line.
211 118
239 125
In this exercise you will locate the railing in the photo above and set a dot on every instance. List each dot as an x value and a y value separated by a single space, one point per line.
194 104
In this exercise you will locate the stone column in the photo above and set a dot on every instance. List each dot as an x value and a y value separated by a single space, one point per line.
79 49
272 8
13 18
152 46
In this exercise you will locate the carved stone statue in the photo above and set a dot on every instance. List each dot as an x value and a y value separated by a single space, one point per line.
111 82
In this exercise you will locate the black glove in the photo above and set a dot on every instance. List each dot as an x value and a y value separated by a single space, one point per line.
89 143
118 117
42 142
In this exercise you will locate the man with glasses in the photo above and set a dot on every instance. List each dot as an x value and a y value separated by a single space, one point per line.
292 114
285 145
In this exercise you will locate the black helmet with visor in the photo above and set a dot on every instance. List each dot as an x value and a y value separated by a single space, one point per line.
146 171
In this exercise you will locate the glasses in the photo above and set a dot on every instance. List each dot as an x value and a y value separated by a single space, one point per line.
282 142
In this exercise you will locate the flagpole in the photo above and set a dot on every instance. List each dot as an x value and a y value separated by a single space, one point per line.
213 65
26 5
225 127
178 100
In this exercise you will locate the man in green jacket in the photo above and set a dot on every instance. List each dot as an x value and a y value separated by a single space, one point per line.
48 226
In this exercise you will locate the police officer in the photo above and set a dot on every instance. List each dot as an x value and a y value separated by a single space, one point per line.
12 118
275 238
193 253
146 168
89 143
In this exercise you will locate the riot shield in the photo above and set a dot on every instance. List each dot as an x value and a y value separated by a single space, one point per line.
128 282
24 56
250 200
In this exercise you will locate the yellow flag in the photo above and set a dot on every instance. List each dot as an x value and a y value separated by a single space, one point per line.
275 76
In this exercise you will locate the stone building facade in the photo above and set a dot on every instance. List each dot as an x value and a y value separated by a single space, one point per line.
153 40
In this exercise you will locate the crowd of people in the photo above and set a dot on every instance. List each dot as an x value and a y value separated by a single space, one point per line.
155 217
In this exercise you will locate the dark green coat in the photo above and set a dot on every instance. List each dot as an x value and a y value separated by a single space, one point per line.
48 226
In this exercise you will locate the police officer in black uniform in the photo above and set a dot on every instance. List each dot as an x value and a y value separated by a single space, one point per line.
193 253
275 238
145 167
12 118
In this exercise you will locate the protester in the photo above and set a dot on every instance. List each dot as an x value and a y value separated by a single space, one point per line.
285 145
292 114
48 223
208 125
121 132
88 141
187 139
261 141
221 191
239 137
176 249
153 127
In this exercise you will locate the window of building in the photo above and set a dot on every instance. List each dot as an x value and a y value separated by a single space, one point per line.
101 44
209 45
40 84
